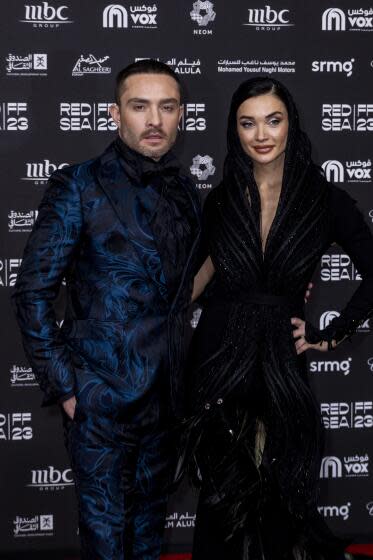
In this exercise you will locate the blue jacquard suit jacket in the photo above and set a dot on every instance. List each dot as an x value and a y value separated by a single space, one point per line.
121 329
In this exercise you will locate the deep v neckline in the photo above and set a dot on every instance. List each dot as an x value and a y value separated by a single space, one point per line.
263 248
264 242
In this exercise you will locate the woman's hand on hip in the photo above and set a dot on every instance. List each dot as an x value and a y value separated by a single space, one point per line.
301 345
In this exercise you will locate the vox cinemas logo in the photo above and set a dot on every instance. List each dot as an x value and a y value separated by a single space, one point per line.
268 19
335 19
39 172
347 415
333 66
202 14
85 116
16 426
51 479
340 117
14 116
337 268
33 526
359 171
116 16
354 466
342 511
8 272
44 15
202 168
193 118
327 317
331 366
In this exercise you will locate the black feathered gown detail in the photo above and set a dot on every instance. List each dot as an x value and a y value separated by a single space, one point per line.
254 432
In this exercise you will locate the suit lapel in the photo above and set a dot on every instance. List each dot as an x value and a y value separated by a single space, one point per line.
124 198
189 268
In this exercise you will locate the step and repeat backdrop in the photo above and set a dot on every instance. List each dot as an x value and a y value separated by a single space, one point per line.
58 61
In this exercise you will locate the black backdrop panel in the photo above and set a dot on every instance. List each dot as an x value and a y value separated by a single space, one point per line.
58 61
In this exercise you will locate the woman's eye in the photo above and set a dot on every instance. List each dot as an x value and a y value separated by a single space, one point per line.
247 124
274 122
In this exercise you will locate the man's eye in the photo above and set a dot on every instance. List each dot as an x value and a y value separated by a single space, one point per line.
138 107
168 108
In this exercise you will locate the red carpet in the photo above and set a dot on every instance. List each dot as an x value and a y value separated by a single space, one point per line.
361 549
176 557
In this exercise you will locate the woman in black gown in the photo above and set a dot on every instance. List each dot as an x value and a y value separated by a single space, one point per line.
255 434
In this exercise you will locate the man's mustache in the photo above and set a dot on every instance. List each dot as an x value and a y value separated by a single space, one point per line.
153 131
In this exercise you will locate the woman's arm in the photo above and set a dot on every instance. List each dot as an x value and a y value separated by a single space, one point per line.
202 278
351 232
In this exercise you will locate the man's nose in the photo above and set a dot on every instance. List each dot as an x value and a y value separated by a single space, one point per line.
154 116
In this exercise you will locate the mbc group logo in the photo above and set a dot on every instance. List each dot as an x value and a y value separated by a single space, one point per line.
268 19
45 15
335 19
39 172
51 478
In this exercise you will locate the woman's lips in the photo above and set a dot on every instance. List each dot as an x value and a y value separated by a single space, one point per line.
263 149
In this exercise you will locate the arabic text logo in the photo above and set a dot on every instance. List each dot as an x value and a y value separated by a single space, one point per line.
90 65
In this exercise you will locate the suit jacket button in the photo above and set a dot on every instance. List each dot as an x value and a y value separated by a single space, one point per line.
219 401
207 406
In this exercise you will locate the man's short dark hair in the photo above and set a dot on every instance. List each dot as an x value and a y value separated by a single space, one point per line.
146 66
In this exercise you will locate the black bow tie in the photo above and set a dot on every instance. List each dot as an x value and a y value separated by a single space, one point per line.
154 171
145 170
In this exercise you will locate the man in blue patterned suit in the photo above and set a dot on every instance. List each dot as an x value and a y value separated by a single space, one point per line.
123 230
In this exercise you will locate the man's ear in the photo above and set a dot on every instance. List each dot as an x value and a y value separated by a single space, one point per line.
115 113
181 111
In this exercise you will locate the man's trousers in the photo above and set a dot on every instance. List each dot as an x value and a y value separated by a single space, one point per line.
122 473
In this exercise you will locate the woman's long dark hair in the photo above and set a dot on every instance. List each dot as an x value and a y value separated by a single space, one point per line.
298 146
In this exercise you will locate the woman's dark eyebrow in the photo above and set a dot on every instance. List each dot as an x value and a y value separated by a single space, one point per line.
267 116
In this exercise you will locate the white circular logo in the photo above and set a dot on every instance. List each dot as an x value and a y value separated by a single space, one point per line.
209 15
202 167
